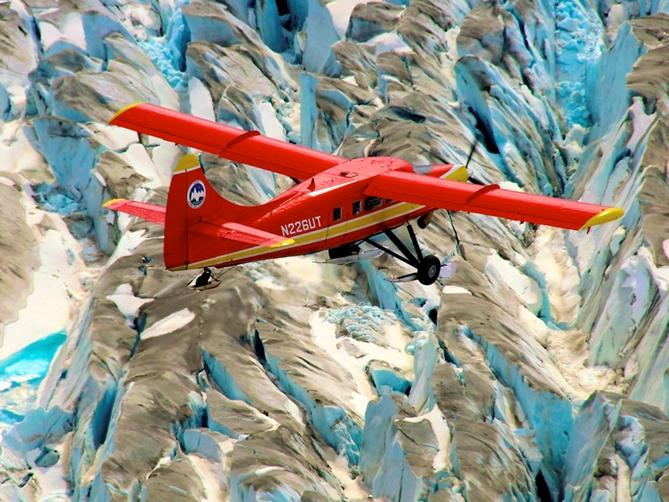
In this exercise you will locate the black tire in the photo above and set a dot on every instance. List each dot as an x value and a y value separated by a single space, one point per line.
428 270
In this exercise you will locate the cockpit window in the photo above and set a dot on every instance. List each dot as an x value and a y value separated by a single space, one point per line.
372 202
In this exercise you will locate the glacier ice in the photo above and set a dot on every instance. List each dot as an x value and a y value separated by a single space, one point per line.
21 374
357 386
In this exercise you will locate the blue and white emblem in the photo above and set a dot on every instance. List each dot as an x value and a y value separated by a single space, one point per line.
196 194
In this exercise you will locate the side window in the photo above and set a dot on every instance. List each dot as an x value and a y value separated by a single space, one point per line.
371 203
356 207
336 213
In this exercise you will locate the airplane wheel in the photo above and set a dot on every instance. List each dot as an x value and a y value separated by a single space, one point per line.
428 270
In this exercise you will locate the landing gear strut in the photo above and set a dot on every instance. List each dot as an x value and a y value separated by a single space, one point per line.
427 267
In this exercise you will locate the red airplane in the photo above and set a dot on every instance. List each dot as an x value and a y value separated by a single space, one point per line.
338 203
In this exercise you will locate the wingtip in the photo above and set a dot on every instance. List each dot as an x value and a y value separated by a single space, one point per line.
113 203
123 110
458 174
604 216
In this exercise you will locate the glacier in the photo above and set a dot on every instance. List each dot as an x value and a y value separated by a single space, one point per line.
535 370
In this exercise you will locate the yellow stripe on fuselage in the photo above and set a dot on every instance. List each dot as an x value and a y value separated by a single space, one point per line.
331 232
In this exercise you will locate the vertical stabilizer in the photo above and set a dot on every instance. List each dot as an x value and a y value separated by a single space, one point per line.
191 199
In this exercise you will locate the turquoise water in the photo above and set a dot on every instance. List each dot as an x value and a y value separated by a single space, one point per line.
21 374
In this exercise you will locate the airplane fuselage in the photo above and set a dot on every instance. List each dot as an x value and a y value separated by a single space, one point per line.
323 212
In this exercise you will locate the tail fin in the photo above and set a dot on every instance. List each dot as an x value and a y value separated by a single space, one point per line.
191 199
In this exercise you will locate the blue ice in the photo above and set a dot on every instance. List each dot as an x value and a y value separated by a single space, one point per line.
21 374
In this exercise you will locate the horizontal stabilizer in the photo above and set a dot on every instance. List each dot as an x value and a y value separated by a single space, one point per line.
238 145
148 212
240 233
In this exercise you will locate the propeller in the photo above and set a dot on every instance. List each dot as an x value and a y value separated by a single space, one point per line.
471 153
458 245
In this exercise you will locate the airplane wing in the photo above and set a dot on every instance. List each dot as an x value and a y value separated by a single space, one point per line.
240 233
148 212
489 199
248 147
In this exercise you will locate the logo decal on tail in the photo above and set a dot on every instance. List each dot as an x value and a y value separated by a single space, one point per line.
196 194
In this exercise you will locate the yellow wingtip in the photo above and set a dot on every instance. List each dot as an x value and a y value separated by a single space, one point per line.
609 214
188 161
125 109
285 242
458 174
111 202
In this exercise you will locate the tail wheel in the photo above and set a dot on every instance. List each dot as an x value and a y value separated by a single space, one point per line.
428 270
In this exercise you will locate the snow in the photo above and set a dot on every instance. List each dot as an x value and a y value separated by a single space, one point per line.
455 290
353 488
16 151
127 243
212 476
72 32
48 34
201 104
172 322
623 479
126 301
504 273
442 433
562 278
388 42
270 124
324 334
137 157
303 268
54 283
341 10
641 122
